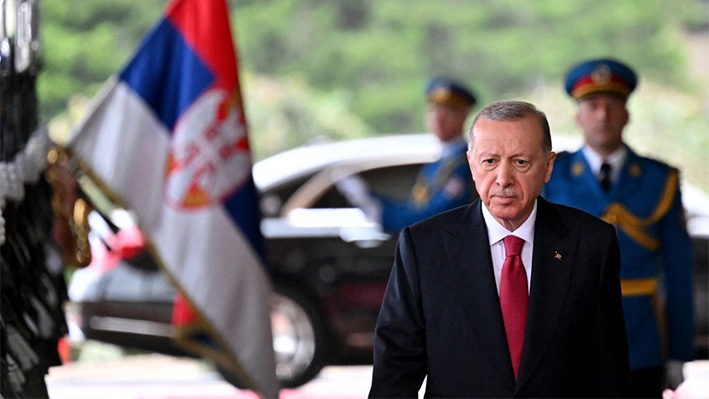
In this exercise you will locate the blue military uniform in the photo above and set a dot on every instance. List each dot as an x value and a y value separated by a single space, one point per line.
645 205
441 185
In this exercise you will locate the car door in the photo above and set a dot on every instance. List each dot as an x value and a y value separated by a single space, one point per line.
326 247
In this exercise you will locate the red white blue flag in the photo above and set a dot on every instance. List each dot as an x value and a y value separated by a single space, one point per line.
167 137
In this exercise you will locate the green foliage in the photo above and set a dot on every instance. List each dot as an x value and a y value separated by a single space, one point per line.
287 114
386 49
85 42
348 68
673 127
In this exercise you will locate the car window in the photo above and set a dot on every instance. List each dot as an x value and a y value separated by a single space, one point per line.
391 181
272 200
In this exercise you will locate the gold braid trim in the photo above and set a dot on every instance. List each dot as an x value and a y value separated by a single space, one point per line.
648 287
637 287
633 226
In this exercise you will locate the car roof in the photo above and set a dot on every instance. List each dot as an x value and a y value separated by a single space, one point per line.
301 161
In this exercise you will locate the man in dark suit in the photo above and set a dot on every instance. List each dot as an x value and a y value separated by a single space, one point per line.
477 316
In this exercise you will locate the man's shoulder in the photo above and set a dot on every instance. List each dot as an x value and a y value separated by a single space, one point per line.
567 165
577 218
448 218
653 165
564 156
565 210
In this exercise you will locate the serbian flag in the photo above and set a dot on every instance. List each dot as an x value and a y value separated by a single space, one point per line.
167 139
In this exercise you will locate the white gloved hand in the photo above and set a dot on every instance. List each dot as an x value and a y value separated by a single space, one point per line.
354 188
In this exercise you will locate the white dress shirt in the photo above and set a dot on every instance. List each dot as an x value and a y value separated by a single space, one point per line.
452 146
496 232
615 160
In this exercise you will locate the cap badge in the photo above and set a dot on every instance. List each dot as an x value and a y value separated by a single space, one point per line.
601 74
440 94
635 170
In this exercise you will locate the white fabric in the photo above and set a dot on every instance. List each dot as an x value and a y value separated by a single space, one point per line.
26 167
615 160
355 190
206 253
451 147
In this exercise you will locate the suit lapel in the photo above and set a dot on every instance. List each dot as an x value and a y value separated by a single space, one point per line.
468 241
552 261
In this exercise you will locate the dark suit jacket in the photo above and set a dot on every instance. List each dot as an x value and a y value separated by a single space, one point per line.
441 315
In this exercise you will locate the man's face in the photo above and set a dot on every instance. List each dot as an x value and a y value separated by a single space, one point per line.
602 118
510 167
445 122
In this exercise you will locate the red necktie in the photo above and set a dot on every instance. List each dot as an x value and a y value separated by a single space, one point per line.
514 298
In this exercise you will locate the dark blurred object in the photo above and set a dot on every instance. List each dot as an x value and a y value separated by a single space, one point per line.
32 279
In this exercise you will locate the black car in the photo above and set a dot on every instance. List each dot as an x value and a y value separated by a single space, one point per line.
328 263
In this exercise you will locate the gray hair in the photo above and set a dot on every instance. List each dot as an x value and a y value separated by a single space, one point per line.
511 110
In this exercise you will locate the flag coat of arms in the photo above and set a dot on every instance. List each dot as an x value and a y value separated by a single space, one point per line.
167 138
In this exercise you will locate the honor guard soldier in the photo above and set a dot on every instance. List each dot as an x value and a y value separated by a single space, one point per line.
440 185
641 198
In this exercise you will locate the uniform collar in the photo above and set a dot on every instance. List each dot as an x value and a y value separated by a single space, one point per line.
615 159
453 146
